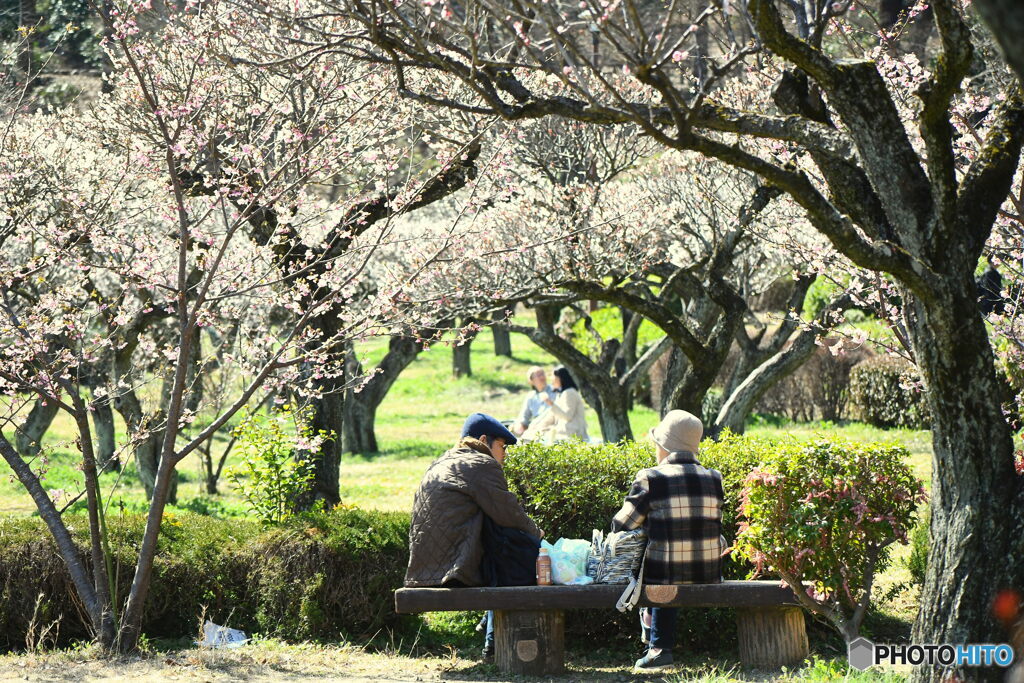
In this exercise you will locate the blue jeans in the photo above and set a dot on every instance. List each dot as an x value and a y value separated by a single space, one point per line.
663 626
489 633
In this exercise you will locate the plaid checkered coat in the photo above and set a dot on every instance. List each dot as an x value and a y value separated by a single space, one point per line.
679 504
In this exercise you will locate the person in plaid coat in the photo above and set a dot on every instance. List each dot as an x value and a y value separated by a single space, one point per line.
678 502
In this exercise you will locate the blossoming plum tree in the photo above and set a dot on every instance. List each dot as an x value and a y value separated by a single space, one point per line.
192 204
578 216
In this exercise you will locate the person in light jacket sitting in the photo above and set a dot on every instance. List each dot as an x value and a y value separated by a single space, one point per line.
536 404
565 416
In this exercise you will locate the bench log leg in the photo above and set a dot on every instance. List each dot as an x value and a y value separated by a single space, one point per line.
771 637
529 642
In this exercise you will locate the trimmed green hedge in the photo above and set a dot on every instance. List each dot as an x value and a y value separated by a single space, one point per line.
882 393
571 488
321 577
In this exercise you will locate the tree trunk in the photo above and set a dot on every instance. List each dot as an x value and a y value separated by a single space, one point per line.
106 445
360 413
771 637
604 394
131 621
104 631
700 61
747 361
678 364
147 448
977 528
361 407
359 435
740 401
461 355
614 419
460 361
630 330
502 340
206 452
529 643
147 463
29 436
1006 19
689 393
61 535
328 416
738 405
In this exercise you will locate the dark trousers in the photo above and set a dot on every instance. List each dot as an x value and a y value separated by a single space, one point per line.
663 626
510 559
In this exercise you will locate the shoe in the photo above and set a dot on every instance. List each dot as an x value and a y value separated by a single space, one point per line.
488 653
651 662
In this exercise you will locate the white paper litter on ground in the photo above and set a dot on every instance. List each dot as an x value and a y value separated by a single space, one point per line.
216 636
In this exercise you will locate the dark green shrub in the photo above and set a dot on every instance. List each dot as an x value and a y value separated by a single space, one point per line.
735 456
920 542
33 575
571 488
317 577
198 566
209 506
332 575
884 392
713 402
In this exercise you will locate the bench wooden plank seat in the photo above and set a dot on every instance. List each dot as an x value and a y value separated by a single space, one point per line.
529 624
594 596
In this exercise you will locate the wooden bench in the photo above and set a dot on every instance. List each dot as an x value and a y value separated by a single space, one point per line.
529 621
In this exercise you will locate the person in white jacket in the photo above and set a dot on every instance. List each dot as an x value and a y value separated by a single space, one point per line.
565 416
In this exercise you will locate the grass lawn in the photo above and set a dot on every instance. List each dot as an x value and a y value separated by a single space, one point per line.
419 419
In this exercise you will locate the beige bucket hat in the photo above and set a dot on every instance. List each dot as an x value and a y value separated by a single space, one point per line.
678 431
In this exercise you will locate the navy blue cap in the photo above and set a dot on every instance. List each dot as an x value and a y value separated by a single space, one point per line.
478 425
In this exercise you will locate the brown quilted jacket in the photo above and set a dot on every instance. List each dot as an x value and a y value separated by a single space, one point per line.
458 489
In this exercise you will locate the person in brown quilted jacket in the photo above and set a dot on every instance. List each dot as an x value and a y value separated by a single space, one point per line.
457 490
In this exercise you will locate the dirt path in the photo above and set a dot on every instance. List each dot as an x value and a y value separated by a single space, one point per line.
272 660
279 662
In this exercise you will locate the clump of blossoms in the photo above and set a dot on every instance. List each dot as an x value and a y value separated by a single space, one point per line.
823 515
